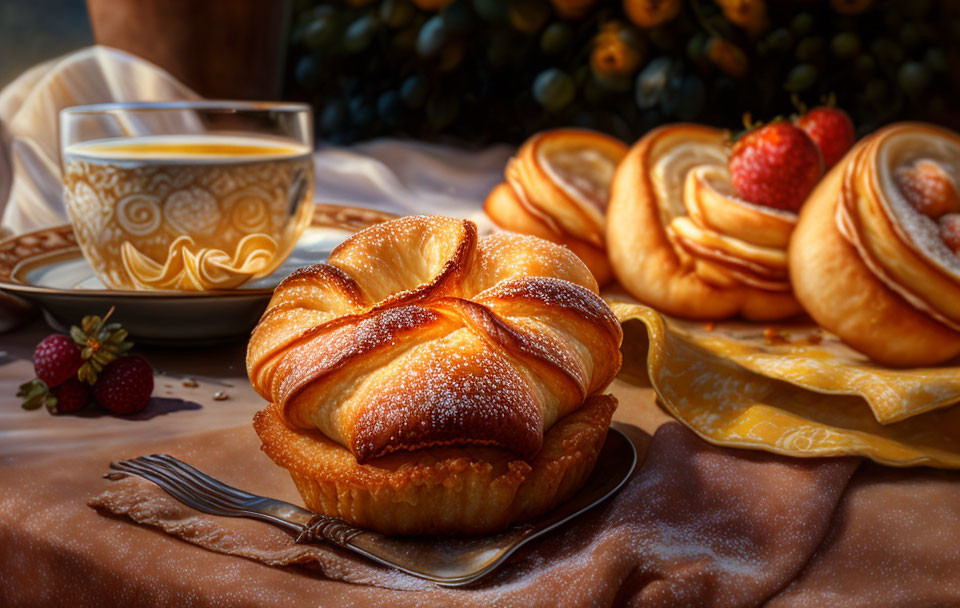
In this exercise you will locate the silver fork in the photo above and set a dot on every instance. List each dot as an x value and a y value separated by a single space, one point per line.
451 562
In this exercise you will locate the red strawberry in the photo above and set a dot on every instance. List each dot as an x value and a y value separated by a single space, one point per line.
71 396
776 165
125 385
928 187
56 359
831 129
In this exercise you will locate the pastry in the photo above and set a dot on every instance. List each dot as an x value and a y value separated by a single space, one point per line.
680 240
556 188
425 380
874 256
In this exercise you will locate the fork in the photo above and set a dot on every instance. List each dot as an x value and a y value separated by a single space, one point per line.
449 562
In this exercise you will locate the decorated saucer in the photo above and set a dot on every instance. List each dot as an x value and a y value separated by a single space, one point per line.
47 267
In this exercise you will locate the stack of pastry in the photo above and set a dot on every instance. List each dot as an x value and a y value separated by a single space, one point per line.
874 257
425 380
557 188
680 240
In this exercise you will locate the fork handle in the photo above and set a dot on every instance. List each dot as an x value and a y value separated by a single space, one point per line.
324 527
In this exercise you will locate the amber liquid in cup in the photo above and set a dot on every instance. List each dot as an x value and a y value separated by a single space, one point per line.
187 212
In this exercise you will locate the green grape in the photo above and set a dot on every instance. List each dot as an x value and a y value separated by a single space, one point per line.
618 84
457 16
876 91
801 77
309 72
652 80
413 91
553 89
334 116
935 60
359 34
493 11
697 48
693 98
432 36
593 91
390 108
887 51
319 31
864 67
528 16
802 24
396 13
556 38
502 47
780 39
442 110
913 77
845 45
809 49
670 96
910 36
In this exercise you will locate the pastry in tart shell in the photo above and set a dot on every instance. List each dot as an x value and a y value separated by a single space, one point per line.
556 188
680 241
417 335
869 267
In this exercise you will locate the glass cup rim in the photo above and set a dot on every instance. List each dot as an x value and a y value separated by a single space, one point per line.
225 105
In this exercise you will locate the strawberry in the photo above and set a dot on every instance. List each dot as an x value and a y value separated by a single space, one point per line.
928 187
831 129
56 359
71 396
950 231
776 165
124 386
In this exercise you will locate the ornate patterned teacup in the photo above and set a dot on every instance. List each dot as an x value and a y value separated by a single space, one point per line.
187 195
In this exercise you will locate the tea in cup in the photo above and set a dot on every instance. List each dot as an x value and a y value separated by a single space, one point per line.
200 208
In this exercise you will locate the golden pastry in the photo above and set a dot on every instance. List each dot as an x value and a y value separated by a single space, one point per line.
874 257
425 380
680 240
556 188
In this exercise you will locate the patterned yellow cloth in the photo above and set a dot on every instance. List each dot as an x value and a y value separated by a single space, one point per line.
793 391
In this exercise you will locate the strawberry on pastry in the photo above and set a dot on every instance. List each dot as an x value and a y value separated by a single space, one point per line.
776 165
831 130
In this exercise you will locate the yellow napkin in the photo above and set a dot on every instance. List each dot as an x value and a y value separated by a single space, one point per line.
793 391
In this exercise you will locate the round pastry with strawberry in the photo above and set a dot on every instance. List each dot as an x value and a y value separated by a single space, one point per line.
698 225
91 362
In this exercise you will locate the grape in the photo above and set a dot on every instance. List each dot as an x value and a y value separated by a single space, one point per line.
887 51
432 36
864 67
359 34
935 60
528 16
556 38
802 24
670 95
457 16
362 111
808 50
693 97
652 80
309 72
494 11
502 48
442 110
910 36
913 77
404 40
697 48
801 77
553 89
334 116
396 13
780 39
318 32
845 45
413 91
876 91
450 56
390 108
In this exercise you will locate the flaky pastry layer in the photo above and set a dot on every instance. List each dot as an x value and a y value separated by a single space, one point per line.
441 490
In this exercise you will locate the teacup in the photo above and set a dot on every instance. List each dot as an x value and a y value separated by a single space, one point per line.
187 195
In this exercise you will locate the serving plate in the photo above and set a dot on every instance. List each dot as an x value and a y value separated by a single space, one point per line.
47 267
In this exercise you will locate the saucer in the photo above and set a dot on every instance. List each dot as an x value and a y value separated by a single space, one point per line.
47 267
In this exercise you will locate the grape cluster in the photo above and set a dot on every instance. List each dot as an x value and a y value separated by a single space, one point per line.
476 71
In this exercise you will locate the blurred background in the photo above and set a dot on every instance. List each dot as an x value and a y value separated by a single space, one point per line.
482 71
